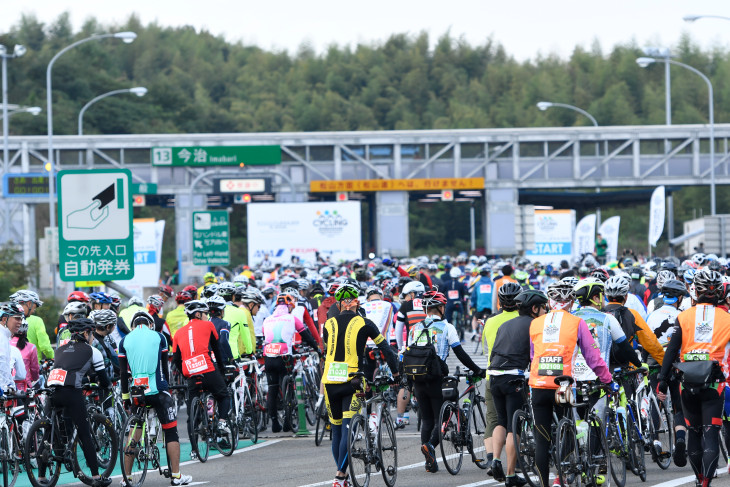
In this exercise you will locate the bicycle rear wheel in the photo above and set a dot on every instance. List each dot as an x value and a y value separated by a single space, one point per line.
133 451
198 429
226 439
662 430
568 457
478 427
450 437
358 454
636 448
249 424
616 448
106 446
723 443
10 462
311 392
388 448
524 438
291 411
321 424
38 455
598 453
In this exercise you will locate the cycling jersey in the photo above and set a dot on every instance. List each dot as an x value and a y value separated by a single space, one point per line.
606 331
662 322
74 360
127 313
483 294
636 329
38 336
192 347
6 376
30 360
279 330
145 351
176 319
636 304
410 313
510 350
224 330
491 326
381 313
443 336
239 339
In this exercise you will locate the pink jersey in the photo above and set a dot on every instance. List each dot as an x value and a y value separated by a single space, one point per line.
279 329
30 359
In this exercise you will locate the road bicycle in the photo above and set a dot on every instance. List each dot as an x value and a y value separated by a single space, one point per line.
204 425
462 427
139 449
11 434
372 444
244 410
49 446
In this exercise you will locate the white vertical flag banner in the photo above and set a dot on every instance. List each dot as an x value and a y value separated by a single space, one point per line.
584 239
656 215
609 231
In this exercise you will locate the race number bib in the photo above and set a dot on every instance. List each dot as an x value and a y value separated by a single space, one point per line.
275 349
142 382
417 304
196 364
337 372
57 377
552 366
695 356
485 288
453 294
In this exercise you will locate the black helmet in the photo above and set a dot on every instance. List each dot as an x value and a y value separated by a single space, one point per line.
143 318
673 289
531 297
81 325
192 307
507 294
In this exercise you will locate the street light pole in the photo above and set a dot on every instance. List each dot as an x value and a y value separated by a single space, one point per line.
646 61
544 105
138 90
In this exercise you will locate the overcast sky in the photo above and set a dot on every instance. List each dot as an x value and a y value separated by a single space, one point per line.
526 28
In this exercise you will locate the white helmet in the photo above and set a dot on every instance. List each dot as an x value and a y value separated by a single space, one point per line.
455 273
414 287
75 308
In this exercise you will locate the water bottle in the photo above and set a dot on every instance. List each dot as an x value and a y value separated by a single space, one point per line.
582 431
645 407
151 421
373 422
621 413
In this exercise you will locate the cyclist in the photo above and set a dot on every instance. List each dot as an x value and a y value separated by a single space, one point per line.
442 335
456 293
279 330
662 321
328 304
11 319
134 305
73 310
554 338
194 347
104 320
507 271
243 337
75 296
508 310
252 300
303 310
345 337
37 334
216 305
177 318
661 278
508 361
74 360
381 313
482 296
28 354
155 303
208 279
144 353
165 292
700 341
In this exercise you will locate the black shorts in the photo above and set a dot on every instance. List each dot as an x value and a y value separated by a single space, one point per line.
483 314
164 407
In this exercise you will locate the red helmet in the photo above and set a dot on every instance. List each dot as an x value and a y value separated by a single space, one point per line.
183 297
191 289
78 296
166 290
432 299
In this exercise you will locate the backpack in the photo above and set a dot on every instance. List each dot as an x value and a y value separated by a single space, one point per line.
628 325
421 363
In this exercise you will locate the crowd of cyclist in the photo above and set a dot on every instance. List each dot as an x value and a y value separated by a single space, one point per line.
534 323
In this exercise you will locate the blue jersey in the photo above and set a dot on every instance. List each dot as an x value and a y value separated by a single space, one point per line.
145 350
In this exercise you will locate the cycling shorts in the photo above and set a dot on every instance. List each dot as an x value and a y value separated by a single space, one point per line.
164 407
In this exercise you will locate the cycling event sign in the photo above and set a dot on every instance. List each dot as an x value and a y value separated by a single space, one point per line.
95 237
202 156
211 238
553 236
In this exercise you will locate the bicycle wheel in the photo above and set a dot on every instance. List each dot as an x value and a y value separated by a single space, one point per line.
616 448
250 424
38 456
226 439
662 429
321 425
133 450
478 427
452 445
311 393
291 411
16 455
105 441
388 448
524 439
568 456
597 452
198 429
723 444
636 447
358 452
9 461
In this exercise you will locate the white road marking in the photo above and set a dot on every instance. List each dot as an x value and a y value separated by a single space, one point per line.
689 479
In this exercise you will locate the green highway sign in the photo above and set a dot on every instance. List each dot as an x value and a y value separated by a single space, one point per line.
211 238
144 188
95 237
254 155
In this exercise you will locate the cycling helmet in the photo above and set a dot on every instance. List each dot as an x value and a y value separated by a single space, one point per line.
103 317
183 297
288 282
195 306
134 300
78 296
252 295
588 289
75 308
531 297
521 276
209 290
11 309
673 289
100 298
714 265
155 301
240 280
25 296
414 287
617 286
708 284
326 272
226 290
143 318
23 328
373 290
455 273
507 294
269 291
166 290
664 276
561 291
347 291
412 271
600 274
570 280
433 299
208 277
291 292
286 299
216 303
669 266
80 325
689 275
191 289
636 273
583 271
303 283
116 301
698 259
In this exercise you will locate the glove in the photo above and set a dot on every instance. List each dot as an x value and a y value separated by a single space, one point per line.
662 387
482 373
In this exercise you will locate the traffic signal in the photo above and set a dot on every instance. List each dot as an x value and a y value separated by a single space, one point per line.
447 195
341 196
242 199
139 200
